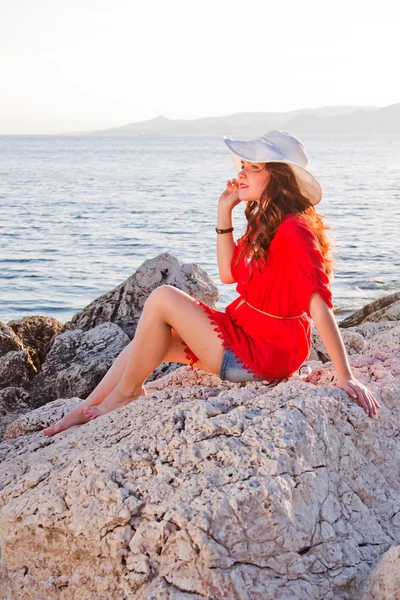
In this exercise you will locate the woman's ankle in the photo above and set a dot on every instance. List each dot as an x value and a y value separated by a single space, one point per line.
94 399
128 392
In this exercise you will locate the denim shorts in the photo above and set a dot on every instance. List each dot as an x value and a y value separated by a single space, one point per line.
232 370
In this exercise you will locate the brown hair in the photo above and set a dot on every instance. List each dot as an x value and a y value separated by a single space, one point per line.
281 196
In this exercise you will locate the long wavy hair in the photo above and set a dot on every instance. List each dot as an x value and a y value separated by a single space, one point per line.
281 196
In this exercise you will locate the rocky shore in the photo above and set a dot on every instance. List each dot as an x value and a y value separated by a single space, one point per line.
202 488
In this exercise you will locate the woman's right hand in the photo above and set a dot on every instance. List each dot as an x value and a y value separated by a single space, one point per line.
230 197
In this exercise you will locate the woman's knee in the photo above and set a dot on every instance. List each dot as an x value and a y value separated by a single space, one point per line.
161 295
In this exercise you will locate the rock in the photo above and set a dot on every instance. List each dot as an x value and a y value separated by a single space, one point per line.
368 329
77 362
36 333
51 361
123 305
163 369
14 376
377 362
384 581
38 419
391 313
384 308
209 489
354 343
14 369
9 341
14 401
318 351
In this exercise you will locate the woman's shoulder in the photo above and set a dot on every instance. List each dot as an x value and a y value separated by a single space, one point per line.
291 224
294 234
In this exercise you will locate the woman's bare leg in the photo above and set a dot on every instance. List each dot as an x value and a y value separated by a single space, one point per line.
166 307
113 376
101 391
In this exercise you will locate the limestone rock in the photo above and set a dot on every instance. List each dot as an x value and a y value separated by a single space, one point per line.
38 419
9 341
123 305
14 376
381 309
14 401
36 333
209 489
14 369
354 343
50 360
384 581
318 351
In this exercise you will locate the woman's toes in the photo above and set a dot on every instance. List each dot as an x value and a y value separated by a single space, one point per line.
91 412
53 429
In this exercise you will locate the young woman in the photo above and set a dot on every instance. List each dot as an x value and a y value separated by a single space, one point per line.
281 266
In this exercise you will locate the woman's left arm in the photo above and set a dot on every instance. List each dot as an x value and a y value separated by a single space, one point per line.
329 333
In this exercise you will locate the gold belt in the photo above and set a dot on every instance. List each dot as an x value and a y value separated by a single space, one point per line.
265 313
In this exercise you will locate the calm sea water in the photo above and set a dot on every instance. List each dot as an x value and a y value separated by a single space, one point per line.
79 215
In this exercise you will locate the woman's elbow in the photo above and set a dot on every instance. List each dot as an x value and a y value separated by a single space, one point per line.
227 279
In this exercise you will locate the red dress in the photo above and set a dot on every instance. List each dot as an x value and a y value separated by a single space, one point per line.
273 348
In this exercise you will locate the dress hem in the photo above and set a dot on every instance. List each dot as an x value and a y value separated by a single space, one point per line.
192 358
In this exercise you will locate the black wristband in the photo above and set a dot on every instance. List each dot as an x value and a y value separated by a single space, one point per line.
224 230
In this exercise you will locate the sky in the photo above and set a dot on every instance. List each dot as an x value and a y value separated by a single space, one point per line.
80 65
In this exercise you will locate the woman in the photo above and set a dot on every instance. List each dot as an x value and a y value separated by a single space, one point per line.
281 265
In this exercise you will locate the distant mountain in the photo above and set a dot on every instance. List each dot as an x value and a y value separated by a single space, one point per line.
380 121
342 120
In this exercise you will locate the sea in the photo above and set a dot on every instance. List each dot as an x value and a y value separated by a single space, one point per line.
79 215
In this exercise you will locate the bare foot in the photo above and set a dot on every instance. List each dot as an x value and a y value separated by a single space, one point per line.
115 399
75 417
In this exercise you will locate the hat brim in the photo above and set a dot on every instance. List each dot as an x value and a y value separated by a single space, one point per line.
249 151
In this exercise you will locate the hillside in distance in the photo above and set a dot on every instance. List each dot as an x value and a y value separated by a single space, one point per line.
340 120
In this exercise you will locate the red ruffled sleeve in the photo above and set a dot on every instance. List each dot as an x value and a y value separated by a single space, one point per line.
308 268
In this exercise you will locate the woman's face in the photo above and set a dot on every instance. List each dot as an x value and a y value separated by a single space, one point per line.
255 177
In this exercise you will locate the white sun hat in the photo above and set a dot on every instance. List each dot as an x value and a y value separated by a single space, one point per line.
278 146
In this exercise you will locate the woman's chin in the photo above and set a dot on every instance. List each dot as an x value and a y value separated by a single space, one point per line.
246 197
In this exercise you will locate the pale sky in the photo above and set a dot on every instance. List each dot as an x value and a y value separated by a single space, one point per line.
77 65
